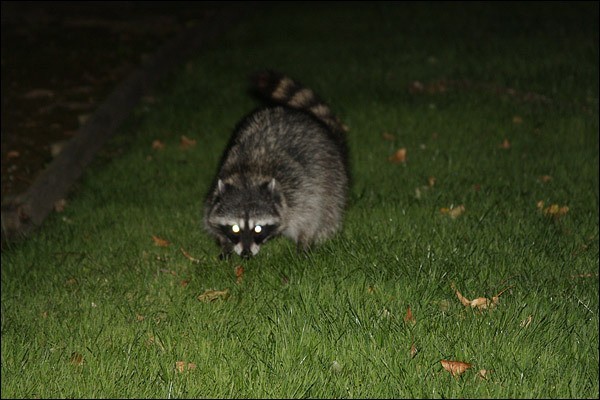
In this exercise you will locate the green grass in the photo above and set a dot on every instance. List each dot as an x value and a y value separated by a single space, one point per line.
92 282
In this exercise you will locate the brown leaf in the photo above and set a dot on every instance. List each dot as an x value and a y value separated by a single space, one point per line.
12 154
453 212
160 241
517 120
484 373
413 350
239 273
77 359
186 143
388 136
455 367
212 295
409 317
38 94
545 178
188 256
431 181
158 145
182 366
505 144
60 205
527 321
399 156
480 303
552 211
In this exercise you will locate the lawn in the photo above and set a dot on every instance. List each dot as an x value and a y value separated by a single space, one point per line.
496 108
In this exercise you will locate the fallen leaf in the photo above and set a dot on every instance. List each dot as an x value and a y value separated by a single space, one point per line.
527 321
431 181
480 303
552 211
12 154
484 373
545 178
505 144
60 205
413 350
184 283
188 256
388 136
160 241
182 366
77 359
398 157
517 120
57 147
185 142
158 145
588 275
239 273
38 94
139 317
409 317
212 295
168 271
455 367
453 212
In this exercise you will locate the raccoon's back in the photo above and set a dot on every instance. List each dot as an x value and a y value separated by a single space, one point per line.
308 163
288 145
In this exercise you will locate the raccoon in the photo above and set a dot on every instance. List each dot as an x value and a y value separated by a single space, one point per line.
284 172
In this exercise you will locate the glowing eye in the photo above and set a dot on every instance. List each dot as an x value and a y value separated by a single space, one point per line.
235 229
257 228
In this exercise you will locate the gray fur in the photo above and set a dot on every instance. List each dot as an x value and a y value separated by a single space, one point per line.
285 167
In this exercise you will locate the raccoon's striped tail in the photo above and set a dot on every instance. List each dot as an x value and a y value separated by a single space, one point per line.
283 90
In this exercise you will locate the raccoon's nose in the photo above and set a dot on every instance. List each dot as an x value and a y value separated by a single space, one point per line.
246 253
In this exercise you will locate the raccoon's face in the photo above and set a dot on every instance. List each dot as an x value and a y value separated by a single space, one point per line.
245 217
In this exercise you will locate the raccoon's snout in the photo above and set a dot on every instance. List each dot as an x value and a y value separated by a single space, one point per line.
246 253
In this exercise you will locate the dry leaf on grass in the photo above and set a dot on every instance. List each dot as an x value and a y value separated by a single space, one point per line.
12 154
60 205
480 303
399 157
158 145
212 295
431 181
505 144
388 136
409 317
239 273
545 178
413 350
484 373
188 256
552 211
453 212
455 367
527 321
182 366
186 143
76 359
160 241
517 120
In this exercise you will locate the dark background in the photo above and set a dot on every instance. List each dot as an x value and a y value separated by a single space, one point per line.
61 59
